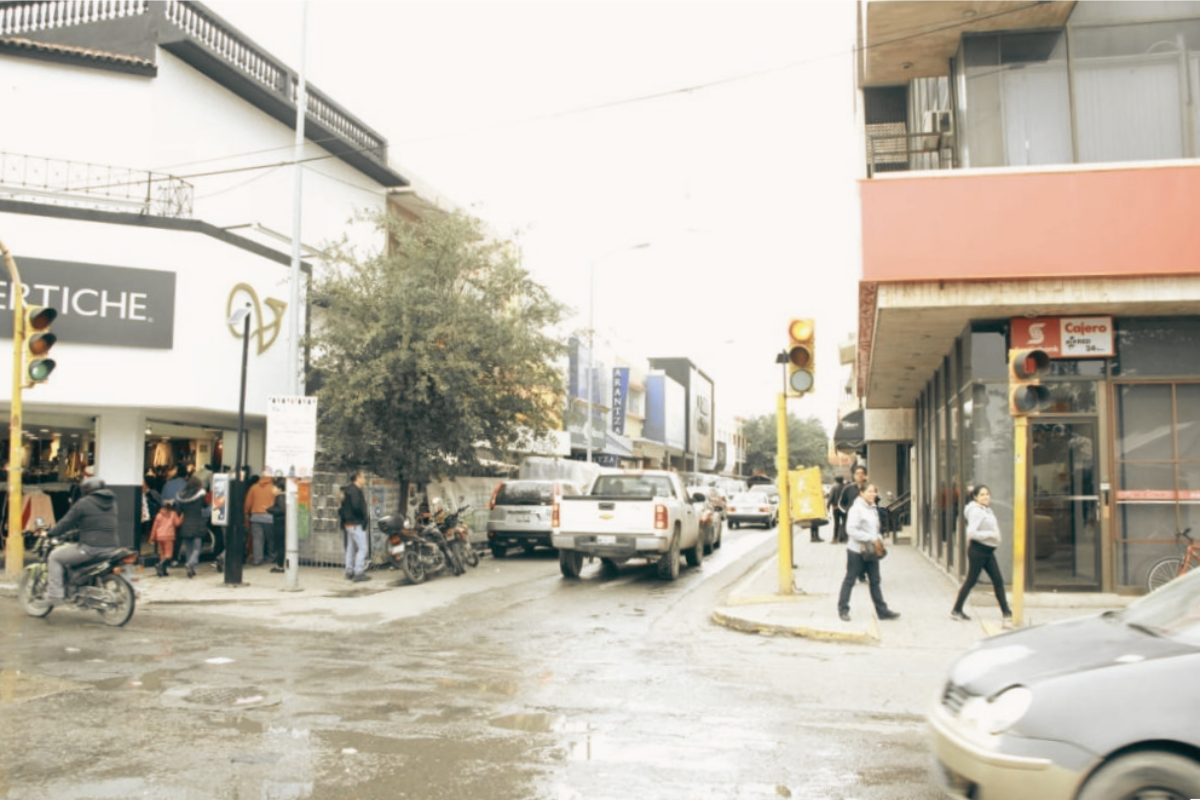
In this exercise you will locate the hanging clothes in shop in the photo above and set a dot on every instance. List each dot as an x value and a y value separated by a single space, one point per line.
34 506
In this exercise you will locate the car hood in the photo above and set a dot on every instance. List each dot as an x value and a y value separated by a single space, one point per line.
1036 654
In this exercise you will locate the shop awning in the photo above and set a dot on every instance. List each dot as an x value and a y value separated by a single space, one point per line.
618 445
850 434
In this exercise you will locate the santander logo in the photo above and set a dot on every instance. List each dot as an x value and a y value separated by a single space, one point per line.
1037 333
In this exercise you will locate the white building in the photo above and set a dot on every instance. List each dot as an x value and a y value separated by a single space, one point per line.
142 196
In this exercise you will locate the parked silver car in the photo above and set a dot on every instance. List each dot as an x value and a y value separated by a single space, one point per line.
519 514
1097 708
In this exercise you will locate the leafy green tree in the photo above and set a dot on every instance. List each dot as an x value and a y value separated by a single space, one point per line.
426 350
808 444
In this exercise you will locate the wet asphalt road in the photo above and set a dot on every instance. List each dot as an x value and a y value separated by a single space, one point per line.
606 687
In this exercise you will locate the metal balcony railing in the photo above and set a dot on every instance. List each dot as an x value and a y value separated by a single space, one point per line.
903 152
81 185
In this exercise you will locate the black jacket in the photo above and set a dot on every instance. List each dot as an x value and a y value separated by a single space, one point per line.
95 516
191 505
354 507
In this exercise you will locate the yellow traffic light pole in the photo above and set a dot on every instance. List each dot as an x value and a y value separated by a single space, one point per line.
14 549
785 509
1020 514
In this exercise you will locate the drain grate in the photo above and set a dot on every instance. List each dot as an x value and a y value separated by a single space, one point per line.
233 696
221 697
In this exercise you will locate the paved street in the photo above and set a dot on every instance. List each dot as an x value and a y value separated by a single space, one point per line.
508 682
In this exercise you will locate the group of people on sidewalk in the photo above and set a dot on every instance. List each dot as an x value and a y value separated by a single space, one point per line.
178 519
857 524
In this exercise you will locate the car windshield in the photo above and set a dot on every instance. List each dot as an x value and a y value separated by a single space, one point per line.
749 499
1173 611
771 495
525 493
632 486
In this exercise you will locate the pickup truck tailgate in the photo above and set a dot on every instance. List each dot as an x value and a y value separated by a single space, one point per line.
583 515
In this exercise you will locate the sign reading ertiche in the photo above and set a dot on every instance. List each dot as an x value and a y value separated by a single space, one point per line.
1066 337
97 304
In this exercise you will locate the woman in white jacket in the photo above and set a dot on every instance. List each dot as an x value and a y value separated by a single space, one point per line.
862 527
984 534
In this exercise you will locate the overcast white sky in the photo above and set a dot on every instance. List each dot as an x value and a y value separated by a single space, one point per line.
745 190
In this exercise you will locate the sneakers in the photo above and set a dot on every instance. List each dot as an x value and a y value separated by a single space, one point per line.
845 616
349 575
276 569
960 616
1007 622
889 615
360 577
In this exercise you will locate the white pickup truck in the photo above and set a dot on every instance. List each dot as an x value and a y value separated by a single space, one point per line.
629 514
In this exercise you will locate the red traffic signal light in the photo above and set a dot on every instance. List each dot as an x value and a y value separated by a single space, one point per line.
801 357
1026 395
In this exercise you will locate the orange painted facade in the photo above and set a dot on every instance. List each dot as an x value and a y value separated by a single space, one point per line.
1095 221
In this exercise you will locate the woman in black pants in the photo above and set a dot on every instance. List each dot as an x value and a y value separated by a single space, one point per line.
984 534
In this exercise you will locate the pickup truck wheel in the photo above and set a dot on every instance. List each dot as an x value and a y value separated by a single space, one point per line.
695 555
570 562
668 565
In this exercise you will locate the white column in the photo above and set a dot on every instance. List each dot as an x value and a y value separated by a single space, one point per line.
121 447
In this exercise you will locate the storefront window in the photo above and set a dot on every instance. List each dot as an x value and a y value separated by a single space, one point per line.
1157 346
1158 471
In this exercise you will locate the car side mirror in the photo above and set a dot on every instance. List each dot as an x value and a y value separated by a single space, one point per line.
698 497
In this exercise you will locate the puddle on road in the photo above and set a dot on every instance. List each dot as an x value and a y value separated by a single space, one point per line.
539 722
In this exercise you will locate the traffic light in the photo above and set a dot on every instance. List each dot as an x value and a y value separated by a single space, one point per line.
38 341
1026 395
801 357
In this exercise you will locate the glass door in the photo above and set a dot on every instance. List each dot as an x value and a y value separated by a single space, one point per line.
1064 513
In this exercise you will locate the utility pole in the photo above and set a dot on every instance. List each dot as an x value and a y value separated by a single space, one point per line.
14 547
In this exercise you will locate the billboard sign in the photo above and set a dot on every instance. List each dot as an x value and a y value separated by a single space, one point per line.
1065 337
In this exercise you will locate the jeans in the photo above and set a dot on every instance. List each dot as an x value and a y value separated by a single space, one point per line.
260 530
192 545
855 566
356 549
70 555
981 557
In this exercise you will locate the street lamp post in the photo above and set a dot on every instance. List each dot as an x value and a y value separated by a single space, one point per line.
235 539
592 334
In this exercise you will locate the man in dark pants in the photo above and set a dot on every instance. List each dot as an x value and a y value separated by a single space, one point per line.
839 516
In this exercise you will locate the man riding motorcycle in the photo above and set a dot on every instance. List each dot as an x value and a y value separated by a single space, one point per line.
94 515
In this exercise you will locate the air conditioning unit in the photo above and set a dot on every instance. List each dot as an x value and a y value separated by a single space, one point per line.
939 121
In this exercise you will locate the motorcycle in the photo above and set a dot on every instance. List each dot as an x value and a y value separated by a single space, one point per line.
100 585
419 555
457 536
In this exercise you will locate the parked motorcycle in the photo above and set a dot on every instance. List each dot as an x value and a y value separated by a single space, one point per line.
419 555
100 585
457 536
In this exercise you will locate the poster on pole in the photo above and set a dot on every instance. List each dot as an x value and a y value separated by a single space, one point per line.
220 499
291 436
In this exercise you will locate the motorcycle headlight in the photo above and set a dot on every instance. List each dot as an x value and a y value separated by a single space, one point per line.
996 715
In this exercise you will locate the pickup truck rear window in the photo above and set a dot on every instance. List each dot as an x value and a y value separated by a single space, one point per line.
632 486
525 493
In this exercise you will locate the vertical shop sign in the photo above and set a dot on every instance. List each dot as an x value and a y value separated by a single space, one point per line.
620 391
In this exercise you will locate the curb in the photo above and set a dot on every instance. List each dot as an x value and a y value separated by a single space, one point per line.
868 636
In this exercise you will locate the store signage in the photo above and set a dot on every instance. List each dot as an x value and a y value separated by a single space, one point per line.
1065 337
620 391
97 304
220 499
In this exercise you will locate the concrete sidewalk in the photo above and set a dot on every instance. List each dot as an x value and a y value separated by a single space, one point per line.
912 584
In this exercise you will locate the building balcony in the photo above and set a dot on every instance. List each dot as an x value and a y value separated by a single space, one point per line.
95 186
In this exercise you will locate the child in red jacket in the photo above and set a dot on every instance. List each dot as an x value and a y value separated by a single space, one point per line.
163 534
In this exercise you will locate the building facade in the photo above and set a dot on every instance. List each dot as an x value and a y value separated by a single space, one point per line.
1031 181
142 197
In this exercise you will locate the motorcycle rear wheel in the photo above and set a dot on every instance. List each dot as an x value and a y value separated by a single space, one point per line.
472 556
413 569
118 614
31 593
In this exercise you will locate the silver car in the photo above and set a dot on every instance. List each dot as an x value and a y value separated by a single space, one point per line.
519 514
1101 707
751 508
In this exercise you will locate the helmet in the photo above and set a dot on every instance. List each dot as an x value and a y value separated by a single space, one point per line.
90 485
